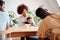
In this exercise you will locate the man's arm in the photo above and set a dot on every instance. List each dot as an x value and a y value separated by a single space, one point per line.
43 28
41 31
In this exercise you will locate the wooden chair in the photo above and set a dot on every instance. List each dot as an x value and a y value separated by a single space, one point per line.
56 32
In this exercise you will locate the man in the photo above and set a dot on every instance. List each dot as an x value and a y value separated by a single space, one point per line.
50 22
4 19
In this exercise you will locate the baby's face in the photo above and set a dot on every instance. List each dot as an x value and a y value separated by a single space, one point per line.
30 21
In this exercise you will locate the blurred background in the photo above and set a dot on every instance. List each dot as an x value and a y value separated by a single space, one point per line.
53 6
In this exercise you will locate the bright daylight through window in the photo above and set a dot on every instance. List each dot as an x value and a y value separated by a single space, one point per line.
58 1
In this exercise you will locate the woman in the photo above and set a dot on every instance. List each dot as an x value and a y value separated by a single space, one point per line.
22 10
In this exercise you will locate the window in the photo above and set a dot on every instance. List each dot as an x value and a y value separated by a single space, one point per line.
58 1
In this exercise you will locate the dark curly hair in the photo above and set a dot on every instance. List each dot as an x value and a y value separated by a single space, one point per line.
21 8
2 2
40 12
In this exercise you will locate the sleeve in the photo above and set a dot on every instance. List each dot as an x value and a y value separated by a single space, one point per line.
42 29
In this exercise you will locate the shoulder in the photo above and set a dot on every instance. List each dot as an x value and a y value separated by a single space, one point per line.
46 21
56 15
2 13
29 15
19 17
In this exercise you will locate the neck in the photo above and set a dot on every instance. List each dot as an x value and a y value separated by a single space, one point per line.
48 14
24 15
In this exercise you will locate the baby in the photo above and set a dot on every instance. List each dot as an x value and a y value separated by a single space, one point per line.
29 21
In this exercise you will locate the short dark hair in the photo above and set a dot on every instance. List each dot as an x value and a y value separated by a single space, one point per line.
21 8
40 12
29 18
2 2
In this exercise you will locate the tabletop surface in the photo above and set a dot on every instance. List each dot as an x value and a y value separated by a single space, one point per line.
20 29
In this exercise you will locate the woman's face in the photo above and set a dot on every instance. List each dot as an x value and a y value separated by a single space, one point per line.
24 12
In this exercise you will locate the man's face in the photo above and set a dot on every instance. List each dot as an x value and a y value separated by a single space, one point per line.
2 8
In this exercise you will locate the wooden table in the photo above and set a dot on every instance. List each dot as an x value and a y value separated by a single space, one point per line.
21 31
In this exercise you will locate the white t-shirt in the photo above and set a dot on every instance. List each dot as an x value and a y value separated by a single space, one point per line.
4 20
21 19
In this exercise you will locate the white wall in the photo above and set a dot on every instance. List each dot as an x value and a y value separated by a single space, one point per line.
58 1
51 5
12 4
